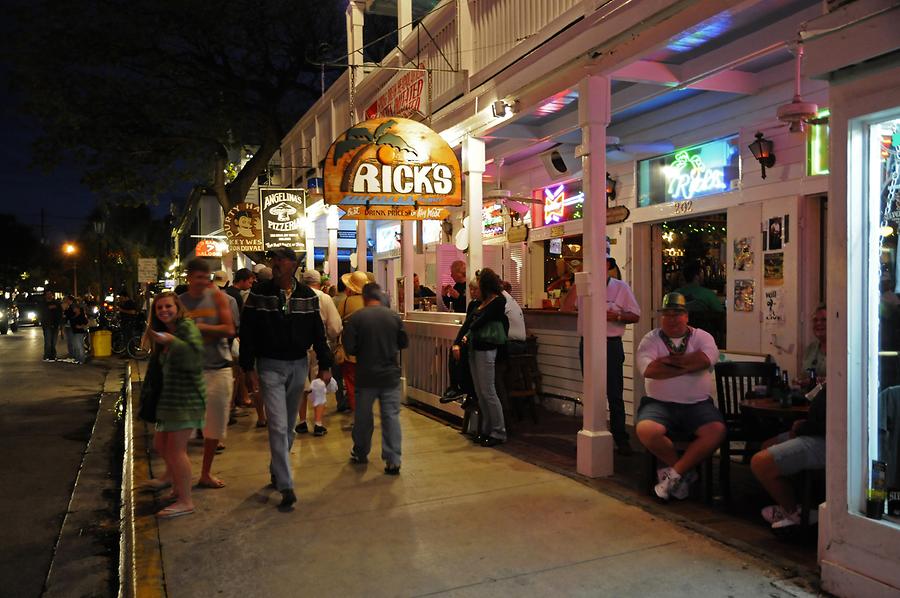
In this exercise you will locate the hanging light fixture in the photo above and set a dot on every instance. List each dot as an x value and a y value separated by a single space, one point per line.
762 151
610 188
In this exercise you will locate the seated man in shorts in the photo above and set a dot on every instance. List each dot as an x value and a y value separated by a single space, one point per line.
802 448
676 362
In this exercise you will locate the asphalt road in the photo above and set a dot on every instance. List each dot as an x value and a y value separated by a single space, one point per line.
47 411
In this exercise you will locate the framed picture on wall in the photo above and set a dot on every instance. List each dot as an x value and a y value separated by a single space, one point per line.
775 233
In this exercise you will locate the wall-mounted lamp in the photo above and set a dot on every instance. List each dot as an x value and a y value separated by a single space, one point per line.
500 108
610 188
762 151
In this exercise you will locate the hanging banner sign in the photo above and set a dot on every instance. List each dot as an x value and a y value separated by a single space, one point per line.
208 248
406 96
283 219
392 169
617 214
243 227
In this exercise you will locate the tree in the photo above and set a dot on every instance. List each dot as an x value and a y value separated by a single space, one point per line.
151 95
20 251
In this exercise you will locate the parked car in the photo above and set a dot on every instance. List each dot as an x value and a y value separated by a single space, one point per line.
29 314
9 316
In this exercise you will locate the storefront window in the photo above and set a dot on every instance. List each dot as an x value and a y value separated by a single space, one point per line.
690 173
882 317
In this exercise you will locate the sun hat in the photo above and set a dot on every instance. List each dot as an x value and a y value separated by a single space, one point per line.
355 281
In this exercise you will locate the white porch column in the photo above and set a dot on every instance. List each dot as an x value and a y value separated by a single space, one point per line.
332 224
355 17
595 443
310 243
407 251
404 19
473 170
362 246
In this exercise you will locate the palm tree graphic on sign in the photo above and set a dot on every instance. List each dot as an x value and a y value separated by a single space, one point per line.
387 146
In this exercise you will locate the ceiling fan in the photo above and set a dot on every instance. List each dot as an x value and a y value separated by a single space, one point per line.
515 203
798 113
626 151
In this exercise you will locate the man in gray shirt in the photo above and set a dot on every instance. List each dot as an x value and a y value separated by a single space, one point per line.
375 335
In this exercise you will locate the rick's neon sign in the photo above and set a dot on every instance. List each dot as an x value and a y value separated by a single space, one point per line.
688 177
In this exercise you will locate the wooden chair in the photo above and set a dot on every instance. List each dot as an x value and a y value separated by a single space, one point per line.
734 380
704 470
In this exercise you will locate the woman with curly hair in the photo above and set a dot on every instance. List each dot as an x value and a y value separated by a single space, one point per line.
177 350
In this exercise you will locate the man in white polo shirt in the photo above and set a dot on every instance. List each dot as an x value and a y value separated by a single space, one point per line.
676 362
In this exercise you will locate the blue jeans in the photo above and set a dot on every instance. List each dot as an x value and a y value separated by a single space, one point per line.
67 332
281 385
50 334
615 385
363 423
78 346
482 365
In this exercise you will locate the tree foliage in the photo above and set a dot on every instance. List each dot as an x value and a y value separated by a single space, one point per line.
151 94
20 251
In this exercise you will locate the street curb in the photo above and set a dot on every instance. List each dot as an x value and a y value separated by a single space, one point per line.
140 562
83 562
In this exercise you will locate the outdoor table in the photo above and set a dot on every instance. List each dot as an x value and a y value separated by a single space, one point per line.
770 408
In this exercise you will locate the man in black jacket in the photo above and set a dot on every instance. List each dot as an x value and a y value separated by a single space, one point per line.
279 324
51 317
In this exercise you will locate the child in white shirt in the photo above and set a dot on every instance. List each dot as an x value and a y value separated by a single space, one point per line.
317 391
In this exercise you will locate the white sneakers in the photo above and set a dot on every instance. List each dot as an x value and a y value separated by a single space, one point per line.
780 519
673 485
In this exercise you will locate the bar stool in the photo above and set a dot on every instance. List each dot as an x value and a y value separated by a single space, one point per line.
523 379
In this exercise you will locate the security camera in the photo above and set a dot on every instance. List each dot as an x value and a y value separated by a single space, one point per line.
498 108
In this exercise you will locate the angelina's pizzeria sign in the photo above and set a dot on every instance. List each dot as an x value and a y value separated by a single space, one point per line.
392 169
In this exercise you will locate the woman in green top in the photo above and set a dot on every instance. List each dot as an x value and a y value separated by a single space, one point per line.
178 346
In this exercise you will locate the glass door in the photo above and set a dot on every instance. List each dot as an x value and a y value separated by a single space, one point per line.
881 315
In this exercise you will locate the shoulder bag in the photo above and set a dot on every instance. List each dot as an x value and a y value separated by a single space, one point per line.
151 388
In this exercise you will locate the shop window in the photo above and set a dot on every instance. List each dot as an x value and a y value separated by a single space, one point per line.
879 333
690 173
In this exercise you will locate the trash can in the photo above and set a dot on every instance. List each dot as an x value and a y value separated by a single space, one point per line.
101 341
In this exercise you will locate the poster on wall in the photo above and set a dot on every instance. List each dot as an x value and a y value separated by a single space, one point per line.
773 265
775 230
243 227
743 295
282 215
743 254
774 307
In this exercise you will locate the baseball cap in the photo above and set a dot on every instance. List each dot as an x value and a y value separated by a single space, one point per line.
282 252
673 302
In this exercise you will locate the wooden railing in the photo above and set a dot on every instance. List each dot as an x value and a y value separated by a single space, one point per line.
425 361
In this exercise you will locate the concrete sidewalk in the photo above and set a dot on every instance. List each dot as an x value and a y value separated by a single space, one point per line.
460 520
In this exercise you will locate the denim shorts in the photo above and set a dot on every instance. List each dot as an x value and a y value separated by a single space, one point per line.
679 419
798 454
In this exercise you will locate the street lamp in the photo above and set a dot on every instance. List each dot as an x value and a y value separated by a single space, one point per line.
70 249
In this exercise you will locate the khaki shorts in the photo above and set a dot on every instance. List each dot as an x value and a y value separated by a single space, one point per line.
219 385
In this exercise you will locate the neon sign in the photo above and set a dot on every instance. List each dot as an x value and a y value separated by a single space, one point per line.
688 177
562 204
690 173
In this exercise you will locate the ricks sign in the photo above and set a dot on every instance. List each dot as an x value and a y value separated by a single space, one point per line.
392 169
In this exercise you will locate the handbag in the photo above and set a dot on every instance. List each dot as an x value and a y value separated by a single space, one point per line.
151 388
491 333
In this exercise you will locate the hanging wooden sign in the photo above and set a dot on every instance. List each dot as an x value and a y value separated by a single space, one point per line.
243 227
283 214
392 169
617 214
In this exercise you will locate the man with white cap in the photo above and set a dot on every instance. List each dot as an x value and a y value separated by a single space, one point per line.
333 327
676 361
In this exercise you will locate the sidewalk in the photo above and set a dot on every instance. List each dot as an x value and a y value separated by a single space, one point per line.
460 520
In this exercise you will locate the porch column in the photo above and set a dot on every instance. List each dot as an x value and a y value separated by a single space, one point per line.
595 443
404 19
332 223
473 170
407 251
362 246
355 18
310 243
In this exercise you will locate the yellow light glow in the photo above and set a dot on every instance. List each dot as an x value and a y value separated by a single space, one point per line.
69 248
887 231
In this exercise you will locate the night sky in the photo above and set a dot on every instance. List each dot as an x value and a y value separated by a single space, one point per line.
26 189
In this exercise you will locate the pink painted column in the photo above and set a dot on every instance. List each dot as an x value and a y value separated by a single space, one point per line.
595 443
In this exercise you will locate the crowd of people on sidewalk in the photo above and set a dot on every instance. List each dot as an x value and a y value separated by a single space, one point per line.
277 341
70 319
274 343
